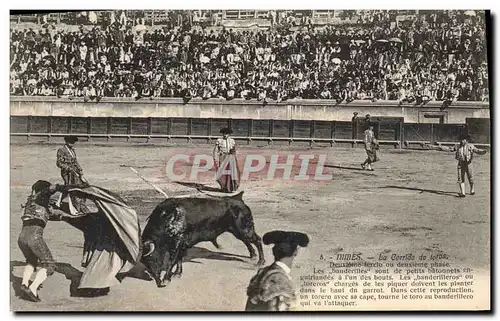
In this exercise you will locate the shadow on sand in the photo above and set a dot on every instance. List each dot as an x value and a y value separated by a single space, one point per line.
199 186
202 253
16 281
357 170
71 274
345 167
74 275
421 190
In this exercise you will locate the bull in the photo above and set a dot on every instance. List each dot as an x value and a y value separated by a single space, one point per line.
178 224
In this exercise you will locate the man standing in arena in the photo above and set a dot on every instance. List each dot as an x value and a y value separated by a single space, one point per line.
38 210
371 147
71 171
72 174
226 164
464 153
272 289
354 124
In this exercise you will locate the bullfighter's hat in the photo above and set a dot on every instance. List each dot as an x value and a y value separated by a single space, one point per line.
292 238
70 139
39 186
226 130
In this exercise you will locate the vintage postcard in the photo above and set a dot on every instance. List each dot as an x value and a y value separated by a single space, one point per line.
250 160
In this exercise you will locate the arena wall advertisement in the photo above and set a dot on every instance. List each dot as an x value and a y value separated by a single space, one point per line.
391 213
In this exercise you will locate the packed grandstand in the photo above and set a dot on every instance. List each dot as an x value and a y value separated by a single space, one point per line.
375 55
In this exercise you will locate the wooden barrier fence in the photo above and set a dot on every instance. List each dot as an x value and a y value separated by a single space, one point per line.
389 131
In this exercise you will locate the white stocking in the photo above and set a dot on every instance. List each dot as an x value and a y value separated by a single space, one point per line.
27 273
39 278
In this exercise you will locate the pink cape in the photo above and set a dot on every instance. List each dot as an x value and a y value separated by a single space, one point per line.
228 173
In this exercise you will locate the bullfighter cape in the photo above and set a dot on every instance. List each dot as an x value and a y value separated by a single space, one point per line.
228 172
115 245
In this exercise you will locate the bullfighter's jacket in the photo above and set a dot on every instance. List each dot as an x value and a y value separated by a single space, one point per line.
271 289
36 212
225 146
370 141
465 153
67 162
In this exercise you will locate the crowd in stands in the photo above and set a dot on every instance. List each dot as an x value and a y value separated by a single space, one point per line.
434 56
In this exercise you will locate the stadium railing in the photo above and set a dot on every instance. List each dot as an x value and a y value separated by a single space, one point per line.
50 117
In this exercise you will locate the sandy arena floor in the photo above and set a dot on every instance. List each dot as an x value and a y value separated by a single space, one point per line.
408 204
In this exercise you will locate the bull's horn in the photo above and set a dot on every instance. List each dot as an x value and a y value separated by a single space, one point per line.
151 247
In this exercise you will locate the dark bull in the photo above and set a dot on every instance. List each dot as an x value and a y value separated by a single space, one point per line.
178 224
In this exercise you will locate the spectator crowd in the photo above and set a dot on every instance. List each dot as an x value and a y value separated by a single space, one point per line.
433 56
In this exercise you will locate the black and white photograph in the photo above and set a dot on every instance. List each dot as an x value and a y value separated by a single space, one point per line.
259 160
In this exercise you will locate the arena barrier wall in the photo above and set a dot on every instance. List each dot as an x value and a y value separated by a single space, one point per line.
293 122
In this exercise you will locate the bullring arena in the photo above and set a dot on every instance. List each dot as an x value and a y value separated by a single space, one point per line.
408 204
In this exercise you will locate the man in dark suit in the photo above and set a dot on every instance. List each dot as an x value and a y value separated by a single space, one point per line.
355 123
71 171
